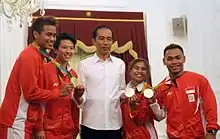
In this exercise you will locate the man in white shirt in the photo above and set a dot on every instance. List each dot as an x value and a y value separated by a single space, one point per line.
103 77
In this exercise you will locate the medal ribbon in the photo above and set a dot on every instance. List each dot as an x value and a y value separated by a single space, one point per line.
143 88
171 79
58 65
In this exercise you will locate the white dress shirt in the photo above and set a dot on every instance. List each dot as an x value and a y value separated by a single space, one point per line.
104 82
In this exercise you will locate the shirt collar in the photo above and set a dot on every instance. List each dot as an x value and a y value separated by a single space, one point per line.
139 86
68 66
168 81
97 59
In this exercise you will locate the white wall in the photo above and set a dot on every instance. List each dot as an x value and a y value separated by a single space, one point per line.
201 45
11 44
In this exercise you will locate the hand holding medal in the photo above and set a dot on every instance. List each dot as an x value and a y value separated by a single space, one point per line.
133 98
129 92
79 88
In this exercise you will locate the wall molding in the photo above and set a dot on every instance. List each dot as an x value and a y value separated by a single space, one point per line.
94 4
112 3
1 58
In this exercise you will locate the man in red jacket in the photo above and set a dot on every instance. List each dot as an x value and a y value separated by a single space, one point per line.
61 117
187 99
21 107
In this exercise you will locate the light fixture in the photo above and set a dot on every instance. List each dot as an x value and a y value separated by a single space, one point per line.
22 10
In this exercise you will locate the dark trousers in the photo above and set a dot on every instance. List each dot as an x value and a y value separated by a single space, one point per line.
88 133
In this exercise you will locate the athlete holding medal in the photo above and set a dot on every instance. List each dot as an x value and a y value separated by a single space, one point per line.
61 116
138 118
186 99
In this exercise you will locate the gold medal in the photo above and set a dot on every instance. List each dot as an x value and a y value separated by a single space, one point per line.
74 80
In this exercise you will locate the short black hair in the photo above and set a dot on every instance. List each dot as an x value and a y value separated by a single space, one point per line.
172 46
39 23
94 33
64 36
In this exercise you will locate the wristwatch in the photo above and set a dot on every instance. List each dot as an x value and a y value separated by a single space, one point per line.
213 132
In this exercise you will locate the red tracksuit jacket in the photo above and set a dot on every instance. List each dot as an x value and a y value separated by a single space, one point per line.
190 104
21 106
61 117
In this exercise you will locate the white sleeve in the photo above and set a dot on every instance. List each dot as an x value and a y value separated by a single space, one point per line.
158 112
122 82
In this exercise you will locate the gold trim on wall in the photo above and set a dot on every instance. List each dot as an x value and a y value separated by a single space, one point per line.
96 19
91 49
115 48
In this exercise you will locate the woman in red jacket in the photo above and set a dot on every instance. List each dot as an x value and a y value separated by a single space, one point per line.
137 115
61 116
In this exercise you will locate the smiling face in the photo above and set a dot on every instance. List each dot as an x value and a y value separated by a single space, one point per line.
174 59
138 72
65 51
47 37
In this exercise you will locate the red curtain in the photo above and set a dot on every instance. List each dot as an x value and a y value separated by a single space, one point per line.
126 26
